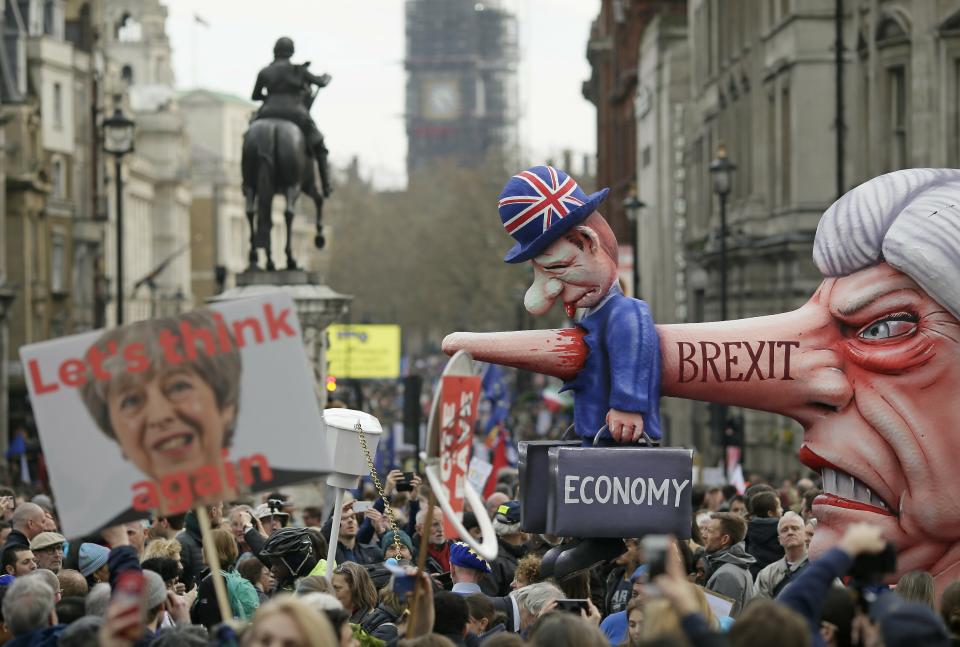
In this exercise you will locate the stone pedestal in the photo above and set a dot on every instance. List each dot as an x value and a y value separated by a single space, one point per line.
318 306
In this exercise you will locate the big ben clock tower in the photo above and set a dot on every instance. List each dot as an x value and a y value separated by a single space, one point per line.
461 81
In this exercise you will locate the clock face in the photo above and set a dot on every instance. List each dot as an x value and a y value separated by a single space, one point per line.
442 100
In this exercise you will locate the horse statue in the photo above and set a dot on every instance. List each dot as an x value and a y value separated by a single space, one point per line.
277 160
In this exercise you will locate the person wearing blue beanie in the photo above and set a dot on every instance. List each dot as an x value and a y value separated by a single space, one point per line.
93 563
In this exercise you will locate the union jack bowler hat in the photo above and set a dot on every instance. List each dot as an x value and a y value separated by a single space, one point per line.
541 204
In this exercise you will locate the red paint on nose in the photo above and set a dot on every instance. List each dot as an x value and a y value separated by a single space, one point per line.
557 352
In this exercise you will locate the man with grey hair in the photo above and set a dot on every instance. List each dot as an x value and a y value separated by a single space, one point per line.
28 521
29 611
51 580
98 600
512 547
532 599
776 576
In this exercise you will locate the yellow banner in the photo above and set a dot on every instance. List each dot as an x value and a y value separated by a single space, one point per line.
364 351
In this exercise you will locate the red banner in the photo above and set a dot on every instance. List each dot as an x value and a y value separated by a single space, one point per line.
459 397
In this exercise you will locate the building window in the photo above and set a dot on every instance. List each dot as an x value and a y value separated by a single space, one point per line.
35 18
126 73
897 107
955 109
771 169
57 106
128 29
786 146
57 256
893 50
56 179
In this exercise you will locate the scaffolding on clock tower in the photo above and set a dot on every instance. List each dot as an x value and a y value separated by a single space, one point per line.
461 63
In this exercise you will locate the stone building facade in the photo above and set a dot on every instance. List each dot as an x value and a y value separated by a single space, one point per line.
763 81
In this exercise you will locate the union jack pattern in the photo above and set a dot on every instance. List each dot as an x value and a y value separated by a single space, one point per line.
549 196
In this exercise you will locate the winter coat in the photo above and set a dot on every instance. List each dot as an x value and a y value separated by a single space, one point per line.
808 590
379 622
730 575
497 582
45 637
763 543
364 553
769 579
191 551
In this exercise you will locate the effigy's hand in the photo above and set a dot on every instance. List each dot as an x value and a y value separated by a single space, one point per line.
624 426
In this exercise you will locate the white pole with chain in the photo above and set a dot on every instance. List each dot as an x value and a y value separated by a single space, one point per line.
334 534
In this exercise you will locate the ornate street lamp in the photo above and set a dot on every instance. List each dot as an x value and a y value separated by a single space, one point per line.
721 168
118 141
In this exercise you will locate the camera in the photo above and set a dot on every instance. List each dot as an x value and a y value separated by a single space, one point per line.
655 549
275 505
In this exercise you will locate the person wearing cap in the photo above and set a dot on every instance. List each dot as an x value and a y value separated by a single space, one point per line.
388 546
574 255
93 563
506 525
271 517
467 568
47 547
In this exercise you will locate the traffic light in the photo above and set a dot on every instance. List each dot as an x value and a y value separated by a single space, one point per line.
331 383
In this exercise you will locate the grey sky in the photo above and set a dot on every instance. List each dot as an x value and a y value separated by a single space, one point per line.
361 44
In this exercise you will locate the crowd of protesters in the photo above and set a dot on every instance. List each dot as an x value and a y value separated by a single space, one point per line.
742 579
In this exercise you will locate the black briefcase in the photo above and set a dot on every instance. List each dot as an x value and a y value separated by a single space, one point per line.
533 465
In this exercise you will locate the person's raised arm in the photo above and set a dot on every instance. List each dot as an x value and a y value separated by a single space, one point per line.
322 80
806 593
123 556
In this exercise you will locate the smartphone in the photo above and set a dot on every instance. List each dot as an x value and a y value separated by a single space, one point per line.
361 506
655 549
573 605
405 484
445 580
130 590
402 584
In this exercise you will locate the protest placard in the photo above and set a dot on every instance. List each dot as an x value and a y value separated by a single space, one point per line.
173 412
459 397
478 473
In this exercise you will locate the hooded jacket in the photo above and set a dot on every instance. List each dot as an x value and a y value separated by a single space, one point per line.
730 575
763 543
191 551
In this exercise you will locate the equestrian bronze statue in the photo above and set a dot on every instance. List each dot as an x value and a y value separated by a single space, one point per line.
279 150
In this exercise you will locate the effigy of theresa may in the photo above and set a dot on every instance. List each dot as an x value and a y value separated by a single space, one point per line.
868 366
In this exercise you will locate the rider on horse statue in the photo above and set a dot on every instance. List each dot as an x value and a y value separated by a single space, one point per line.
284 89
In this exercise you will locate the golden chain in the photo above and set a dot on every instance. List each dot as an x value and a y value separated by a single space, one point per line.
376 482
